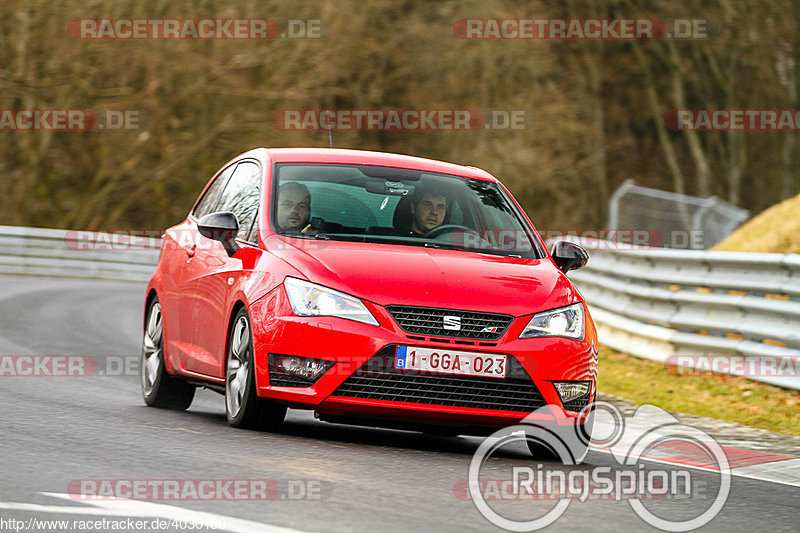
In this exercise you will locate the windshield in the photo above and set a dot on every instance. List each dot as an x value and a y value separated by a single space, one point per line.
398 206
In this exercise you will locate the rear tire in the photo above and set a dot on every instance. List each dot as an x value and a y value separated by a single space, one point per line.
159 389
243 407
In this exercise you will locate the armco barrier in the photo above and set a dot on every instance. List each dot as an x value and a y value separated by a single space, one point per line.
664 304
80 254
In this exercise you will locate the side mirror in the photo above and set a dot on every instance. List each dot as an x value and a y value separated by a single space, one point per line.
569 256
221 227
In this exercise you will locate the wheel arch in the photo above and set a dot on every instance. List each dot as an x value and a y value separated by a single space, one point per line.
237 306
151 295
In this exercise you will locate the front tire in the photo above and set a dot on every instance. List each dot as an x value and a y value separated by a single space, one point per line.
243 407
568 444
159 389
576 440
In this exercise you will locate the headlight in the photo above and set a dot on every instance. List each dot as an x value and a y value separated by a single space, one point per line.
561 322
310 299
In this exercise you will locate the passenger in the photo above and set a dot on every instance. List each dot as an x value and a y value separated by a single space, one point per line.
294 207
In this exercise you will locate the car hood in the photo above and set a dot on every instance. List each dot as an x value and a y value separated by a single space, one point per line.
389 274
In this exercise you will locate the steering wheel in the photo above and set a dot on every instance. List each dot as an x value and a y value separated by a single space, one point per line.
448 228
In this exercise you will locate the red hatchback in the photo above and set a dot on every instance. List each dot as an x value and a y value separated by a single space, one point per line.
373 288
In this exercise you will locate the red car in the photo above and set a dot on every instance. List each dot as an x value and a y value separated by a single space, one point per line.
376 289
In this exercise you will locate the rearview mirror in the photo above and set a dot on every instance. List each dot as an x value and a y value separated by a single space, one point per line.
390 188
569 256
221 227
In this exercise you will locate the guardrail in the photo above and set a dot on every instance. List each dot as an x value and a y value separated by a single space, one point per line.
79 254
684 307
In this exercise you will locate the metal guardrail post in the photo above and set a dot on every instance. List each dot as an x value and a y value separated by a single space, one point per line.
613 204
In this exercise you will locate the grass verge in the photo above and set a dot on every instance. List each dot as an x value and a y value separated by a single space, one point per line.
724 397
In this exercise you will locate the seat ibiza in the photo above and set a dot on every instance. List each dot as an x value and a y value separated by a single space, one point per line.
373 288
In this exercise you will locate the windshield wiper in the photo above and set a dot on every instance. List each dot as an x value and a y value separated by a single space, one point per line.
354 237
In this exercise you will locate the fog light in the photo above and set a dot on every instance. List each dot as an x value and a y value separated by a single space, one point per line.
569 390
305 368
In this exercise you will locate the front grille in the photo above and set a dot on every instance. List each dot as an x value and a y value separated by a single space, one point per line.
377 379
430 321
278 380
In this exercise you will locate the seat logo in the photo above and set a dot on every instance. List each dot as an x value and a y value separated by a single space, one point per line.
452 323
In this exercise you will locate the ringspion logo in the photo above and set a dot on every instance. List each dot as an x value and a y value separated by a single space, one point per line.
635 478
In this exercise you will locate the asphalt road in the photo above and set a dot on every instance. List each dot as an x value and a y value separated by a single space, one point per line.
56 430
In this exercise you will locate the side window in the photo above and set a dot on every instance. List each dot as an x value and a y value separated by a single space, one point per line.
457 214
241 196
210 199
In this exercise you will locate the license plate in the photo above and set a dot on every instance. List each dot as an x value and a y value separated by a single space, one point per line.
450 362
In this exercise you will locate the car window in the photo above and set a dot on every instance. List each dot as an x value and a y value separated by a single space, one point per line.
403 206
241 196
351 206
210 199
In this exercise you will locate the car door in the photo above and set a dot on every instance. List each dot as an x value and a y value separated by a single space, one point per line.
181 240
212 273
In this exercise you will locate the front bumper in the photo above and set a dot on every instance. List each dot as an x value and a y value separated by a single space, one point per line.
362 381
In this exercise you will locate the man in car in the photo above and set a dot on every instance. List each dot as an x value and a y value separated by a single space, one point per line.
428 207
294 207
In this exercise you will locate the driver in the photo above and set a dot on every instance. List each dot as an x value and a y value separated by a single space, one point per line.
428 207
294 207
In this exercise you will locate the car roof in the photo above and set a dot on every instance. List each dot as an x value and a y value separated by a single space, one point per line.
365 157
